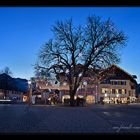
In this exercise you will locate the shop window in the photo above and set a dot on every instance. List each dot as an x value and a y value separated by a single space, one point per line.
90 99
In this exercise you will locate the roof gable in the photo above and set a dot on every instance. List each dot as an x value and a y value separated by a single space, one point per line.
115 72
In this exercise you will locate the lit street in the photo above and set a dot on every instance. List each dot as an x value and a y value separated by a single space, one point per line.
53 119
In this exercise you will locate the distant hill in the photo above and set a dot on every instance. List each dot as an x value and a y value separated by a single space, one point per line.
9 83
21 84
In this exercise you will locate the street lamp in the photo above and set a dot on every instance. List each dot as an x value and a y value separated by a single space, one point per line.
30 91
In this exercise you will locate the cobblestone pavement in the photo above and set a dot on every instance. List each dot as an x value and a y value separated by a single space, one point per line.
53 119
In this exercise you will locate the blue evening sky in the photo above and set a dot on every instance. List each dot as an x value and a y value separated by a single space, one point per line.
23 30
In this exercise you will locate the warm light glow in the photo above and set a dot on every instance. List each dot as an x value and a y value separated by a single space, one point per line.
117 95
80 96
123 91
39 96
105 90
90 99
85 83
64 83
5 100
25 98
65 97
105 95
29 82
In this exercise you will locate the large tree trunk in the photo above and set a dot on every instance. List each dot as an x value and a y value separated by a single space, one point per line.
72 94
72 103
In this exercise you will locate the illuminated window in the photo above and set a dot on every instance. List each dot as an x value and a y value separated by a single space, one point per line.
90 99
116 91
123 91
104 90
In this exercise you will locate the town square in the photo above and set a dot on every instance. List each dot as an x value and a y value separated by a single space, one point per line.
69 70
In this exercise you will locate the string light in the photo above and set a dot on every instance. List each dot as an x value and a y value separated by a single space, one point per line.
80 74
80 54
67 71
64 83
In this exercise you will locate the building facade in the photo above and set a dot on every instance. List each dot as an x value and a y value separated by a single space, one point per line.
115 86
118 87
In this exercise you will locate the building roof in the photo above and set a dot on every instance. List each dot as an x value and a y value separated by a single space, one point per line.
114 68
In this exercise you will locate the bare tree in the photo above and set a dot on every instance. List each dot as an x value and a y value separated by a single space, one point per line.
95 45
7 71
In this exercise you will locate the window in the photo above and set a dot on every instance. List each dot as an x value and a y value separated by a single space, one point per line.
117 91
104 90
120 91
118 74
123 82
115 83
113 91
129 93
119 82
123 91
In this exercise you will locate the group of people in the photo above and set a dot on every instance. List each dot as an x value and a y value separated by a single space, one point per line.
51 99
78 101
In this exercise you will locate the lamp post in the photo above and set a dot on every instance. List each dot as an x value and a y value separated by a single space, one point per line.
30 91
96 99
105 95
